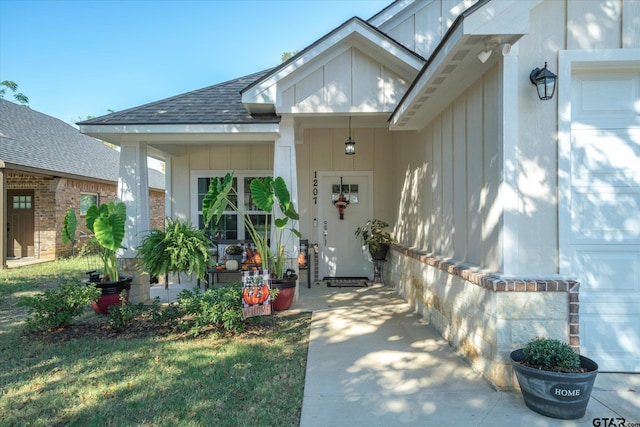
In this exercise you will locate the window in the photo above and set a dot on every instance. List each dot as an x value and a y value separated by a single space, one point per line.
230 226
21 202
87 200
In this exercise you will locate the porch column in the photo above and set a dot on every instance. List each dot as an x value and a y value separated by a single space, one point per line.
284 165
509 191
133 190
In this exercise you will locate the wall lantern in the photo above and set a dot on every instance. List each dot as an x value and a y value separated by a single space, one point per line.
349 144
545 81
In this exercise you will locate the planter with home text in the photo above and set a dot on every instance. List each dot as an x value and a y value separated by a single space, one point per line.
554 390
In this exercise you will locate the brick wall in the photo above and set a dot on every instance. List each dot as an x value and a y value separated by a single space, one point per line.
156 205
53 196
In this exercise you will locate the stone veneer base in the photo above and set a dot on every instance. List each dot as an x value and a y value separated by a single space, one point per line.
482 315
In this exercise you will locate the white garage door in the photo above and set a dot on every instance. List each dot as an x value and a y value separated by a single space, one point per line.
605 214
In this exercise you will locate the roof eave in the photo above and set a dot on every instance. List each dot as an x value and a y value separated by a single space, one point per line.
188 132
454 65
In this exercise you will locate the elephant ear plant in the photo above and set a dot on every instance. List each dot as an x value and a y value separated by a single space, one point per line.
69 229
267 194
107 223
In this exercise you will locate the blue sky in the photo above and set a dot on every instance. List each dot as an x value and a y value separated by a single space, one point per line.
80 58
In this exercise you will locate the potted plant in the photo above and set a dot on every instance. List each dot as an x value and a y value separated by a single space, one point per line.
554 380
267 194
180 248
375 238
234 252
107 223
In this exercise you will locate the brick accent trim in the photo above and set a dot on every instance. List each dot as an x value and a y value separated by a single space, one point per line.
496 283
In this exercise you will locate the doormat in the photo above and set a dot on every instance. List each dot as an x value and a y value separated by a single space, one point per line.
347 282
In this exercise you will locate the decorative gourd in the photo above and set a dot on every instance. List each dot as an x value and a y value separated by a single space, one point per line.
232 265
253 295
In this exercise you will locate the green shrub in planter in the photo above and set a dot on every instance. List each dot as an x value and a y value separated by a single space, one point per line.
551 355
56 308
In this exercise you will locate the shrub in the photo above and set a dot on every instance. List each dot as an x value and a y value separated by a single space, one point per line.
121 316
56 308
550 354
218 306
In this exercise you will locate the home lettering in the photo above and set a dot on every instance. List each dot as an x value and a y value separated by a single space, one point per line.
566 392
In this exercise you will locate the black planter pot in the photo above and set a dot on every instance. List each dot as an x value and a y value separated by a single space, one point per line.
381 253
110 293
555 394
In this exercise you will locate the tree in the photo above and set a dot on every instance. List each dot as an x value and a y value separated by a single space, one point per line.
20 98
287 55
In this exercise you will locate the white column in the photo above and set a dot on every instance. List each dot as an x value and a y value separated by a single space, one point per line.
509 191
133 190
284 165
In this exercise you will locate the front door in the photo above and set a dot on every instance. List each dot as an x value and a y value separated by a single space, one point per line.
20 223
341 254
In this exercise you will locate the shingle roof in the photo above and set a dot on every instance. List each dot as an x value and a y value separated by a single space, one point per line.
217 104
35 140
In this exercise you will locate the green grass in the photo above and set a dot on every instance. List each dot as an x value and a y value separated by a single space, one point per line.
252 379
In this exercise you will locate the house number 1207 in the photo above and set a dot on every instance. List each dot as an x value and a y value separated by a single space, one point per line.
315 187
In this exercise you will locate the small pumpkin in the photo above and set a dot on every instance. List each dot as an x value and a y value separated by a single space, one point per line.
254 295
232 265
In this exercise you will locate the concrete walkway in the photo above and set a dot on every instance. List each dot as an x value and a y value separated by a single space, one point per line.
373 362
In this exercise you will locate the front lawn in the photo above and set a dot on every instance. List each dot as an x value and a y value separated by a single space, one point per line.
86 376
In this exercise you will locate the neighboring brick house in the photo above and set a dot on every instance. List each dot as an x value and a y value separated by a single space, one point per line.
47 166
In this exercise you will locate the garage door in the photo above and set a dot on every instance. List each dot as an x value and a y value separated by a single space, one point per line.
605 214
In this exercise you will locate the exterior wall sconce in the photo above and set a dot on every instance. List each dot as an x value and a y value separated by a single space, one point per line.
544 81
350 144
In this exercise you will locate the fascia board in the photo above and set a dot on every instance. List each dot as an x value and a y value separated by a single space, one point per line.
116 134
265 91
181 128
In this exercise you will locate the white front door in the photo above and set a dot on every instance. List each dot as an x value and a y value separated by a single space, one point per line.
341 254
604 216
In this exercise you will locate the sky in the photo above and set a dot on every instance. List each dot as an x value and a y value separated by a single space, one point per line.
78 58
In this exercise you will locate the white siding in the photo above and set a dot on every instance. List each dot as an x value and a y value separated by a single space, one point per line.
350 81
449 189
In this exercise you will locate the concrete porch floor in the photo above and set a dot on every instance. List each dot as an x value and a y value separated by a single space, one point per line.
373 362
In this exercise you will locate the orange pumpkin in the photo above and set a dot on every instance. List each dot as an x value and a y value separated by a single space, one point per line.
254 295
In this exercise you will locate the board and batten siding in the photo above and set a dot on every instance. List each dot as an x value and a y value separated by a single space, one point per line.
350 81
321 150
450 174
218 157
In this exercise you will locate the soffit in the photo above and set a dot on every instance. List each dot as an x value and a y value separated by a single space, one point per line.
454 65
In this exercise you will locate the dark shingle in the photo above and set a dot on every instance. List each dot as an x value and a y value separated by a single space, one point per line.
32 139
217 104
